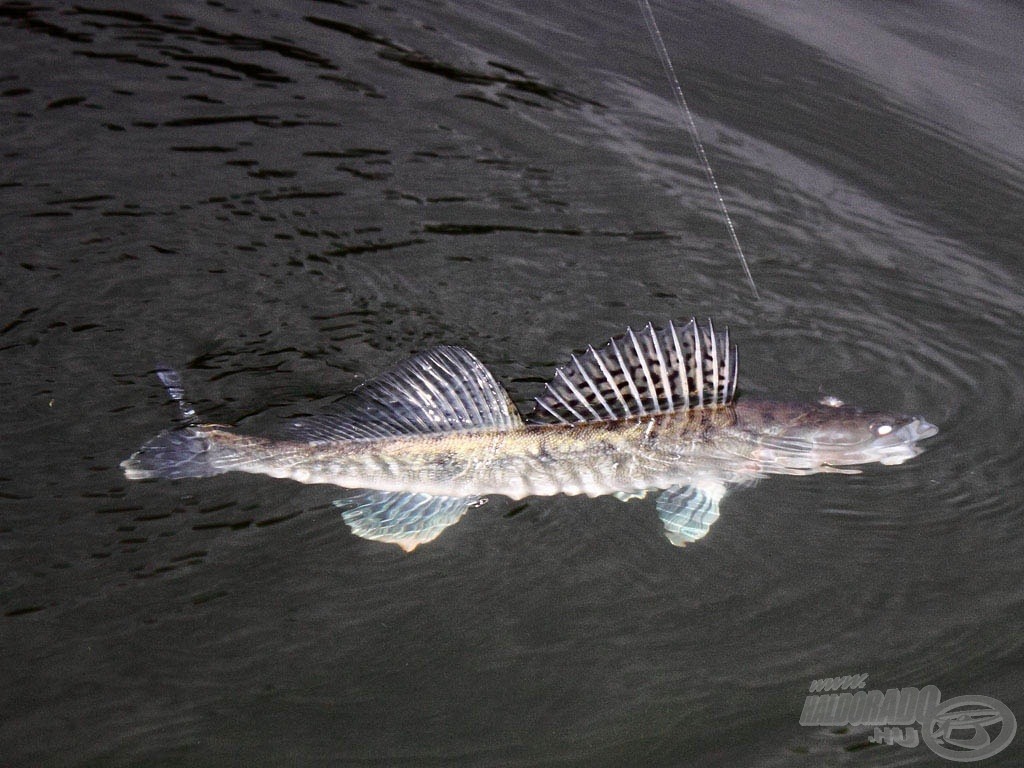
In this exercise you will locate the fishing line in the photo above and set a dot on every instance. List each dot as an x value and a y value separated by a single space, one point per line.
684 108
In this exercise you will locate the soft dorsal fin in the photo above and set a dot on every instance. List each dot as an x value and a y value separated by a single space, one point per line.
641 374
445 389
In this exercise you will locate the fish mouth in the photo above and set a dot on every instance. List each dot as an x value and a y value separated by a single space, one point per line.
917 429
901 445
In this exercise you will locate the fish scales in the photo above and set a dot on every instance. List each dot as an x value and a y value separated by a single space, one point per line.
591 459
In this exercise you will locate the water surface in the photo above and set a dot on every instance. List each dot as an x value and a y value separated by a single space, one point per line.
283 199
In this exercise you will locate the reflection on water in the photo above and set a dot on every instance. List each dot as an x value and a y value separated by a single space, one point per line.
285 200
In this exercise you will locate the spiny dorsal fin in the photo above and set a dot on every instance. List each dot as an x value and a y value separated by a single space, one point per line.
641 374
445 389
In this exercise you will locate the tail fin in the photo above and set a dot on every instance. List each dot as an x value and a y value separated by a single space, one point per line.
171 380
184 451
174 454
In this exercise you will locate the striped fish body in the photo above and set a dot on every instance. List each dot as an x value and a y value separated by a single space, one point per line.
536 460
648 411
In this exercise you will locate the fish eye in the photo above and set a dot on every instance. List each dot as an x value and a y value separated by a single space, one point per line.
881 429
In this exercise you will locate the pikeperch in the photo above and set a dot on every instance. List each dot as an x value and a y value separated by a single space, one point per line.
653 410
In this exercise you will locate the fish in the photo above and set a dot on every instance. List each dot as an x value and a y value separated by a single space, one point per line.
653 411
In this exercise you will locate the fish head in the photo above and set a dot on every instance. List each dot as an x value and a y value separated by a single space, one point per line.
832 436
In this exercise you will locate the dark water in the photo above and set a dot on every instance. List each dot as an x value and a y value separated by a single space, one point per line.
283 198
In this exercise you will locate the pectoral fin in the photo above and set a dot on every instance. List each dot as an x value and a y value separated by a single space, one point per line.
405 519
689 511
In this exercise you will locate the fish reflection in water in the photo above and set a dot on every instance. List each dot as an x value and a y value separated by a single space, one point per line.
648 411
